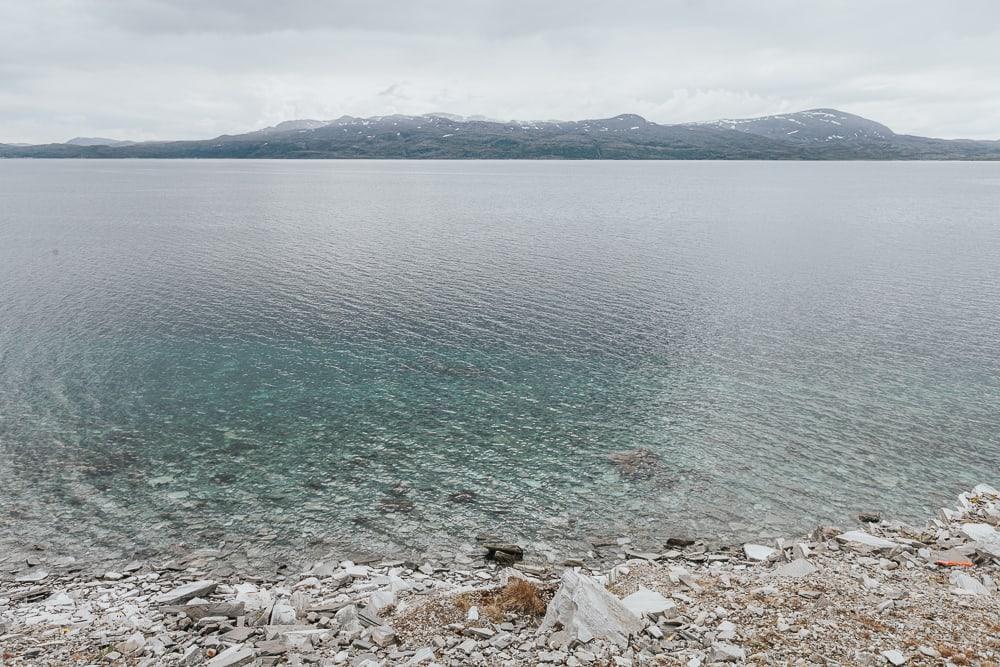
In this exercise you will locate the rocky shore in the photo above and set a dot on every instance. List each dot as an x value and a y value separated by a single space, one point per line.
878 593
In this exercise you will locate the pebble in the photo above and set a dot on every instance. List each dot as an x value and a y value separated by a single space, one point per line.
894 657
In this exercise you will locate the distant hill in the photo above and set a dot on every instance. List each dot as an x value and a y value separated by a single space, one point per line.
97 141
816 134
815 125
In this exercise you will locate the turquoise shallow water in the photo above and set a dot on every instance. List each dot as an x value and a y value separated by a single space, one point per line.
399 355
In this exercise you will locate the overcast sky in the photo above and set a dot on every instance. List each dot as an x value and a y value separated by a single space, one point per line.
164 69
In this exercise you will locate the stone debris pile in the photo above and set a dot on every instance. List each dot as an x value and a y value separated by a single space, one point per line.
883 593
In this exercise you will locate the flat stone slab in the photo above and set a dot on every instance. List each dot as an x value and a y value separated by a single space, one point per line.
978 531
866 539
967 584
199 611
645 601
232 657
758 552
32 576
723 652
797 569
240 634
186 592
985 538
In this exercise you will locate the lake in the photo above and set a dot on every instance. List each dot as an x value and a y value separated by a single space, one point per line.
306 356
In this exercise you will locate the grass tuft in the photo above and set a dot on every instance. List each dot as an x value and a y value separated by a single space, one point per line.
517 598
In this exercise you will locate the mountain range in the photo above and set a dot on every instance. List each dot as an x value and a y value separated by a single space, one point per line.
816 134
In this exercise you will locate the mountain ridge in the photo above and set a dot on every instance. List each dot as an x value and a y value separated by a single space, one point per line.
97 141
812 134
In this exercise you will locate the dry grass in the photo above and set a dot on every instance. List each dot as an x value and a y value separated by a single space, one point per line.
517 598
869 623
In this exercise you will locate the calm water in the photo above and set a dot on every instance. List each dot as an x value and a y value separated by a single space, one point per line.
399 355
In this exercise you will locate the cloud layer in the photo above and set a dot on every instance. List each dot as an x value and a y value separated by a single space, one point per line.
165 69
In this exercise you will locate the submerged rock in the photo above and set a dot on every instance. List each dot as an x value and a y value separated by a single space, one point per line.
503 553
463 496
396 504
636 463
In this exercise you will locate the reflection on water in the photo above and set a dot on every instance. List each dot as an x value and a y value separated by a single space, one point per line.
395 355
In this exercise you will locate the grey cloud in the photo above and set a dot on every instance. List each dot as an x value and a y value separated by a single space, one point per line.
147 69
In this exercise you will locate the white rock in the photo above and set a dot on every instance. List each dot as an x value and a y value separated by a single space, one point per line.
502 640
232 657
480 633
382 600
985 536
723 652
186 592
797 569
131 645
645 601
339 578
978 531
397 584
895 657
308 582
967 585
587 611
32 576
866 539
383 635
758 552
357 571
253 598
422 655
727 631
191 656
347 619
58 599
282 613
473 614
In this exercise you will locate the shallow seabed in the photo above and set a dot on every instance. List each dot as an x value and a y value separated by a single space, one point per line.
396 356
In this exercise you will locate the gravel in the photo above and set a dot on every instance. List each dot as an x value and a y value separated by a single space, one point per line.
883 593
